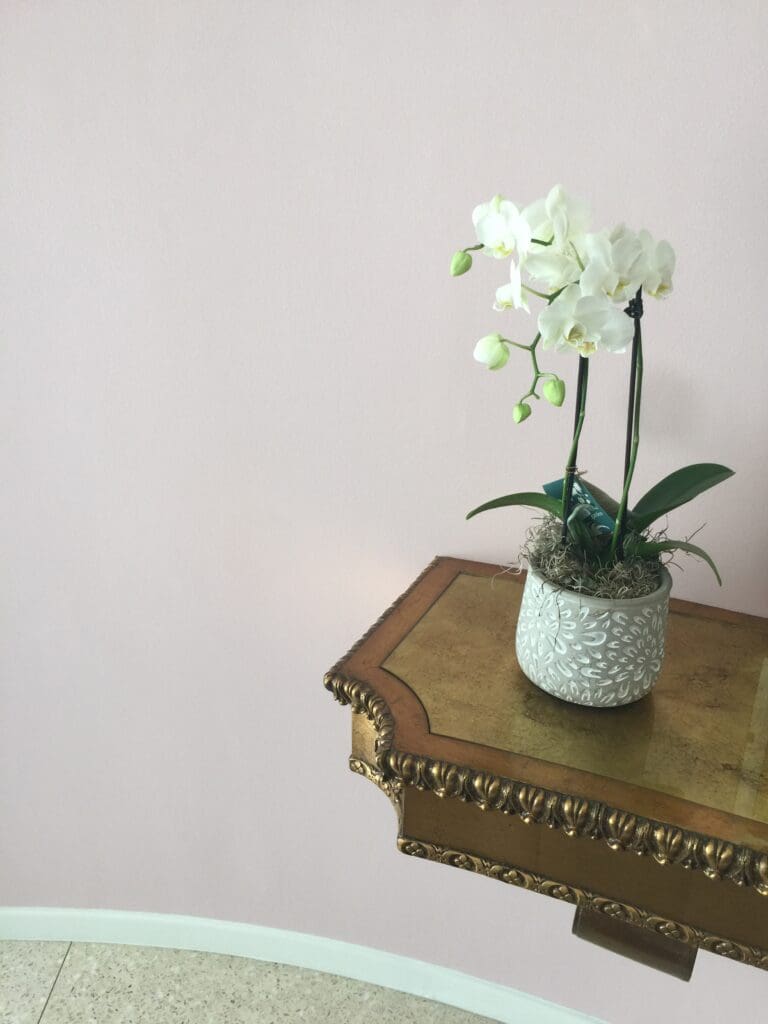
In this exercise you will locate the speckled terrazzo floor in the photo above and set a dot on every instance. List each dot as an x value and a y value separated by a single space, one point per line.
83 983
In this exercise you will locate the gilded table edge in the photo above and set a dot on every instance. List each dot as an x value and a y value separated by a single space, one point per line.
578 896
630 914
575 815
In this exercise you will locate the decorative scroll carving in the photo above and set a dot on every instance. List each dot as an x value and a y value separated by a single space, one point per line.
363 701
575 816
583 898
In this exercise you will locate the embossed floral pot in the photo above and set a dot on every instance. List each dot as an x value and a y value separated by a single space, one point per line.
595 651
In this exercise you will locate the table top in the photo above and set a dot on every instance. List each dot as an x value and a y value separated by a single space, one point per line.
691 757
701 735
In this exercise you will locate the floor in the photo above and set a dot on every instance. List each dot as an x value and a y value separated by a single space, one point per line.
84 983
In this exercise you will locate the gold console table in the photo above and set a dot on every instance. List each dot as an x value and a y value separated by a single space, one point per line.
652 819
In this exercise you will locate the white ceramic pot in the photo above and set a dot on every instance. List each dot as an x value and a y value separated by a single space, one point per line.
591 650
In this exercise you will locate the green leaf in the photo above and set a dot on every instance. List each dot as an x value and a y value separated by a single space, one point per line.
580 533
531 498
578 528
677 489
649 548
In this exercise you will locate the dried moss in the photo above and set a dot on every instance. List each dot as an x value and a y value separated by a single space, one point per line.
567 567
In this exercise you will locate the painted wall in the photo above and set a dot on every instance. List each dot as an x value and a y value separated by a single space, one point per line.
239 413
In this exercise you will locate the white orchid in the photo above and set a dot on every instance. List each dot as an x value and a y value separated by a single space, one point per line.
593 303
492 351
500 228
510 296
615 264
586 323
660 265
552 268
586 277
560 218
561 221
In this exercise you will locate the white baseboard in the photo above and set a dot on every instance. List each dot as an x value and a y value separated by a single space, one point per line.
172 931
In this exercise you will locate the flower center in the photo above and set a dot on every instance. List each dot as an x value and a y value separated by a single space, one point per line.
575 333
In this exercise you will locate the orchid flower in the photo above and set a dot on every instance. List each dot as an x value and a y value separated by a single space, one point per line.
586 323
510 296
500 228
660 265
561 221
560 218
552 268
615 264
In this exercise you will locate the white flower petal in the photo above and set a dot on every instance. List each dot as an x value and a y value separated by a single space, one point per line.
551 267
616 333
569 216
598 278
557 318
607 327
597 245
516 286
505 298
499 227
660 265
535 215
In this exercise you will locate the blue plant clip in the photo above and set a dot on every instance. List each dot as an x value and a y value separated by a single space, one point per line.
598 517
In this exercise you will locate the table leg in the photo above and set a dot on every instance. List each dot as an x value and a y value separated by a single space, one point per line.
646 947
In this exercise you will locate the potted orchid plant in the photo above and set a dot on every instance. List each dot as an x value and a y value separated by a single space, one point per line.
593 617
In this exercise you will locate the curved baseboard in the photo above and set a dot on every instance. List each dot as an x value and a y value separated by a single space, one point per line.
207 935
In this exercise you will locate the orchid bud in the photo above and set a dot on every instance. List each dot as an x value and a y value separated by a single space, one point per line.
492 351
521 412
460 263
553 390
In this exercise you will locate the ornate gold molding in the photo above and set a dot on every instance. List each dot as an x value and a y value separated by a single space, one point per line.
363 701
574 815
751 955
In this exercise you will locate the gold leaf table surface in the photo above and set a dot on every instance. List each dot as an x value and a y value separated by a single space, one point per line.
654 814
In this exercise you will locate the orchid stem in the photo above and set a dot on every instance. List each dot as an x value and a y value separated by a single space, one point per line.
537 374
633 434
533 291
570 469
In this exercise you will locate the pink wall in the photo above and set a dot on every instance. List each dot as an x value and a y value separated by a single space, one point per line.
239 413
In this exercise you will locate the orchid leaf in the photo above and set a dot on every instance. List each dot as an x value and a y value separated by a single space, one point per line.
677 489
649 548
578 529
531 498
582 533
